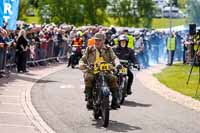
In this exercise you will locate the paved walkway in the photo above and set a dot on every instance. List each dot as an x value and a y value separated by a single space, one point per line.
17 114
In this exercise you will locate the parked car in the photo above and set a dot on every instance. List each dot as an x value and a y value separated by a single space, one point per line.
30 12
175 12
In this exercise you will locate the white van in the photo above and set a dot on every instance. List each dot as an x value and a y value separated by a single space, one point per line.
174 13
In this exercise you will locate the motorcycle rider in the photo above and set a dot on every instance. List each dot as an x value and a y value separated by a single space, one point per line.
92 54
77 42
124 53
109 40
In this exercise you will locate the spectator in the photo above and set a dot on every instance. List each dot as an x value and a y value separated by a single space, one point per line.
21 51
171 47
3 47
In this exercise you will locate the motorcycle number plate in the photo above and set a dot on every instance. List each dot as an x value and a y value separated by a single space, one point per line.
123 70
104 67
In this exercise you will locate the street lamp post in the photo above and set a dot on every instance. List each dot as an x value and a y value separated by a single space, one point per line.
170 16
170 24
134 7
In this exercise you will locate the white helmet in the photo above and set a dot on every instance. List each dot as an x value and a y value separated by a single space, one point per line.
136 33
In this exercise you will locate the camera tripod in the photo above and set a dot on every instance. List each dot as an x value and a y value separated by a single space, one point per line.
191 69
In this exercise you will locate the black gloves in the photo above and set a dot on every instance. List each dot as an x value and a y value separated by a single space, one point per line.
119 67
137 66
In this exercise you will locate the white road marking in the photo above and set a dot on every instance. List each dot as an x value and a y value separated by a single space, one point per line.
14 104
3 89
13 113
14 125
69 86
9 96
62 86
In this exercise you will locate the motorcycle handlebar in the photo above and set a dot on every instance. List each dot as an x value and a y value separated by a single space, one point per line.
137 66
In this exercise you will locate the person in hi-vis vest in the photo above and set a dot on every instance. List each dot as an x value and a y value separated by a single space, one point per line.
171 47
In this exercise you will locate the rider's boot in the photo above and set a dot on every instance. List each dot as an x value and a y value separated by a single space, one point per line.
129 92
88 98
115 102
69 62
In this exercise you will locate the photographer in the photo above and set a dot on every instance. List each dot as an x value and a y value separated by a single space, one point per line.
185 42
196 48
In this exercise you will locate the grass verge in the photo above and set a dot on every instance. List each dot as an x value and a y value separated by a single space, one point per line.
165 22
175 77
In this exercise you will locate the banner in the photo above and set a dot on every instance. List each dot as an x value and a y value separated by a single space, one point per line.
1 12
9 13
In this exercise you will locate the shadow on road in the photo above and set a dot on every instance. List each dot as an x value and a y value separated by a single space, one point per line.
46 81
116 126
135 104
24 76
31 79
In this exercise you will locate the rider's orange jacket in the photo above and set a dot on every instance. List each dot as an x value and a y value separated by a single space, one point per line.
77 42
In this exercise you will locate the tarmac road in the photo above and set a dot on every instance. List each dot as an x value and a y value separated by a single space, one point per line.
60 101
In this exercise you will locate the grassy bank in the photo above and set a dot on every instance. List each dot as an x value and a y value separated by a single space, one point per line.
156 23
165 23
175 77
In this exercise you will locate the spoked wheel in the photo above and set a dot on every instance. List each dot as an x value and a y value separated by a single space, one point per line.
121 95
73 61
122 100
96 111
105 111
123 92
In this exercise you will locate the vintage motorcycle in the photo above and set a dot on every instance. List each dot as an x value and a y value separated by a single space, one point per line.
101 93
122 81
122 75
75 55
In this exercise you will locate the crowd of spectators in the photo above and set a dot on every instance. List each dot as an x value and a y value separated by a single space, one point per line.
36 44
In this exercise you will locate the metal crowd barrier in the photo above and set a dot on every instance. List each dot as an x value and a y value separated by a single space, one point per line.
53 51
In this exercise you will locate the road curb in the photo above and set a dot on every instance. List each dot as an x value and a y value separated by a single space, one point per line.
149 81
30 110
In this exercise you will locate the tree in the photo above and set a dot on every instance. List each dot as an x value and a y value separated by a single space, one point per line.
193 11
81 12
124 11
133 12
22 9
182 3
77 12
34 3
175 3
114 11
146 10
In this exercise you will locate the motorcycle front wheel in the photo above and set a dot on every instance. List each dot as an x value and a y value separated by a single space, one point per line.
105 111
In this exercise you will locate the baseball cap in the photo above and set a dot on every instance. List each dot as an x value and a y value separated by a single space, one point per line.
99 36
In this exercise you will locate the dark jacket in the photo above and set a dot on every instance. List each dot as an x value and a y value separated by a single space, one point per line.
21 41
125 54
